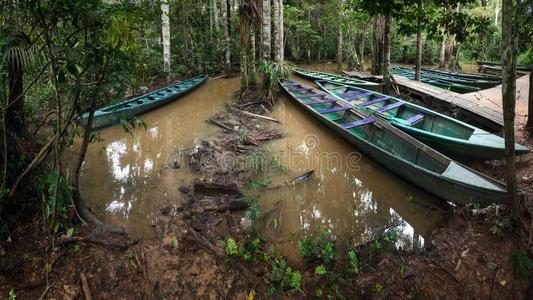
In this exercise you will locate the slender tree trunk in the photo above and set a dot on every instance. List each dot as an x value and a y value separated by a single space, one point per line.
496 13
362 48
377 45
254 49
166 38
442 58
418 62
386 50
339 35
529 124
265 31
14 117
278 40
509 98
225 27
214 16
281 31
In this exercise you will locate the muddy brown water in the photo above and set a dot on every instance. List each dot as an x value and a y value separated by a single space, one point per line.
124 182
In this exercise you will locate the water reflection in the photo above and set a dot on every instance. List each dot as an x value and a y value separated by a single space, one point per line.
350 198
125 184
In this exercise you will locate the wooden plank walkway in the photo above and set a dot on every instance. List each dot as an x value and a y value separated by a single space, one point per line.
468 109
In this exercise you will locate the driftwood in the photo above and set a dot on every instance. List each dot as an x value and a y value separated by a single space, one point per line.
251 104
215 188
219 124
295 181
259 117
85 287
380 231
227 205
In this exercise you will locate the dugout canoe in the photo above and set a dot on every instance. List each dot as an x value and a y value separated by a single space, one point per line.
113 114
315 75
397 151
450 136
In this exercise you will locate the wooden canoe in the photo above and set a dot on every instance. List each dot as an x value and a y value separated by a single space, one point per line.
525 68
397 151
450 136
315 75
477 76
111 115
476 83
452 86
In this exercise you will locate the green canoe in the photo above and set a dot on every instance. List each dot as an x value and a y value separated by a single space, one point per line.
112 114
525 68
478 76
397 151
315 75
447 135
439 82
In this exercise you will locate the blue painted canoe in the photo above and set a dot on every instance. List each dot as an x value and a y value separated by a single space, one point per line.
398 152
111 115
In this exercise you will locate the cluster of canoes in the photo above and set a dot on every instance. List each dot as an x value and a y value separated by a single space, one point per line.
459 82
414 142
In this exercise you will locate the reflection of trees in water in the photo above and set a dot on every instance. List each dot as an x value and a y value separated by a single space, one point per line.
130 166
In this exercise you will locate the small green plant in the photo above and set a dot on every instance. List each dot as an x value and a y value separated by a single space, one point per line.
132 261
12 295
77 248
278 166
501 226
353 262
320 247
282 277
378 287
522 263
231 247
253 211
261 184
320 270
390 237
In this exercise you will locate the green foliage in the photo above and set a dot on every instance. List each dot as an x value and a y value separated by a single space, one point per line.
261 184
522 263
353 262
257 161
231 247
320 270
281 276
12 295
271 73
253 211
57 193
319 247
278 166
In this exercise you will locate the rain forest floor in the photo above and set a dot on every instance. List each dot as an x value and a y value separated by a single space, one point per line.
476 254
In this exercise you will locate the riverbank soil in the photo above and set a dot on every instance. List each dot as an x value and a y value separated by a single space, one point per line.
207 246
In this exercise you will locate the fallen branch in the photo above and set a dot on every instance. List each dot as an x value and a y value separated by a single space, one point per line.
295 181
259 117
222 125
230 205
251 104
85 287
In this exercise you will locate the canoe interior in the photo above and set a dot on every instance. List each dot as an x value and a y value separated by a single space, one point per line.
430 122
378 135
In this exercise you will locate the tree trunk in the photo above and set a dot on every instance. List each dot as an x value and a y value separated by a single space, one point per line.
166 38
418 62
254 49
213 17
14 115
509 98
265 31
281 31
442 58
275 23
377 45
225 27
339 36
386 50
496 12
529 124
362 48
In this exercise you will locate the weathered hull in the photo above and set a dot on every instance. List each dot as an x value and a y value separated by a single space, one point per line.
362 84
441 186
102 119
